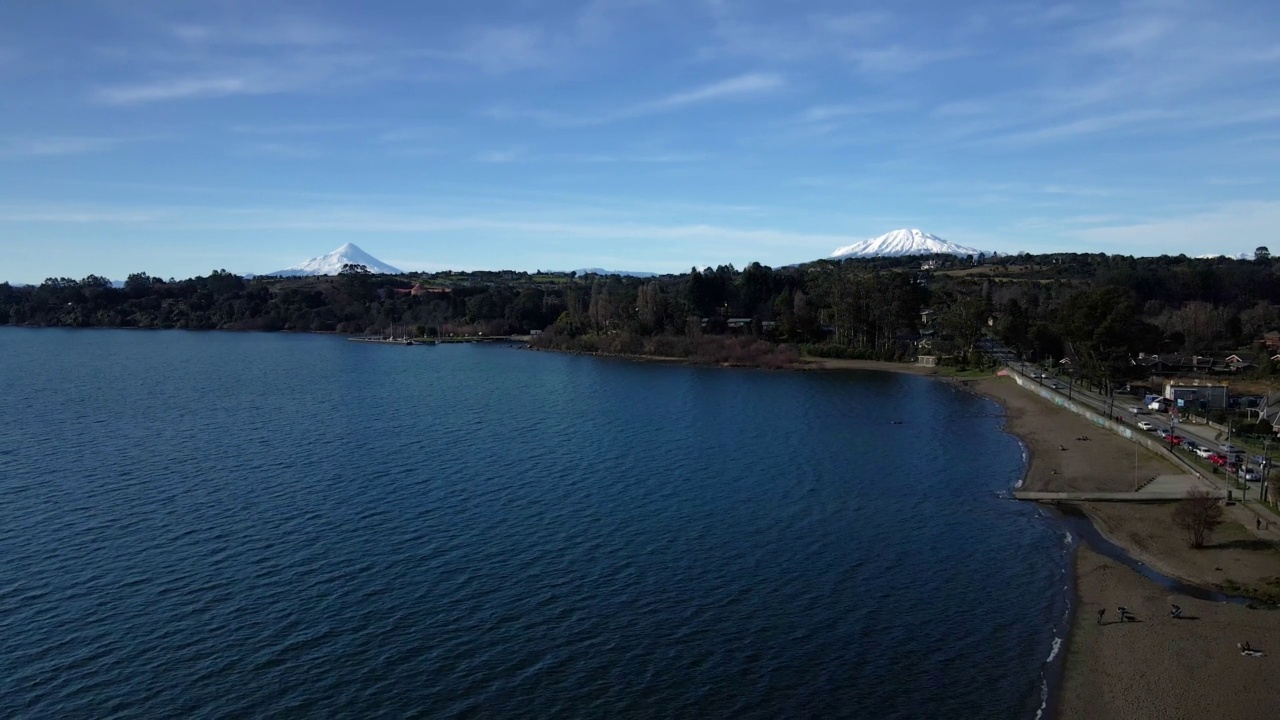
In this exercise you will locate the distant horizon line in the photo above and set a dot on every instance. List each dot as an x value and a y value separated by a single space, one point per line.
1241 257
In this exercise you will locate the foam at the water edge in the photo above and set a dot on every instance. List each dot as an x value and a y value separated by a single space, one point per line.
1057 643
1026 459
1044 679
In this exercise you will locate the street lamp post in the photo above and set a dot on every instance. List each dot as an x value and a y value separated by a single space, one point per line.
1263 491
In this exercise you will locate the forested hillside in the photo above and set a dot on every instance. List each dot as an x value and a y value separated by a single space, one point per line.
1101 310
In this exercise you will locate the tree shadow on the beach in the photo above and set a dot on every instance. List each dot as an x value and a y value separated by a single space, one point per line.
1187 617
1250 544
1121 622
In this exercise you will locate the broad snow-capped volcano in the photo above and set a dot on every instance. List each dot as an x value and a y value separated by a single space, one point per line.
1237 256
902 242
332 263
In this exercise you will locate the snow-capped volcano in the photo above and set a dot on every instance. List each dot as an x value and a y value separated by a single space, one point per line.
902 242
1237 256
332 263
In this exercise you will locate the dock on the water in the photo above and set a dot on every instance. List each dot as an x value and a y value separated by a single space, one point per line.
433 340
392 341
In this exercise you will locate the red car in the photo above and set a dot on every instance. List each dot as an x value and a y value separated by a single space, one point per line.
1218 459
1175 439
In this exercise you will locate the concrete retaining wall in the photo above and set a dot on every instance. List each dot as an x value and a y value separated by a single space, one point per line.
1128 431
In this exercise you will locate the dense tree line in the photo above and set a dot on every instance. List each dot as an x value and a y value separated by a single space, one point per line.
1100 310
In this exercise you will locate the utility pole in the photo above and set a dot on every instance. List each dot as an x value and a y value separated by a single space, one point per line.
1263 491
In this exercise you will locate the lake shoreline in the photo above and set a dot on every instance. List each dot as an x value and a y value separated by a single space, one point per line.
806 363
1208 662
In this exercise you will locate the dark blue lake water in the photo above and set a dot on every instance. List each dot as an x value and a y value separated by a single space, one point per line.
218 525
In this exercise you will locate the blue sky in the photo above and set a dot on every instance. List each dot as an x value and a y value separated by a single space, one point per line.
180 137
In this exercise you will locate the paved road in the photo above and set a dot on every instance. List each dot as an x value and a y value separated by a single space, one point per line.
1121 406
1246 513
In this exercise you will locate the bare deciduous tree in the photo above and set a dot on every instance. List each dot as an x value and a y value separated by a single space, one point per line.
1199 514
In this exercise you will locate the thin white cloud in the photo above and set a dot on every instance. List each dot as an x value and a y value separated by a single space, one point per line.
749 85
853 39
253 56
372 220
500 157
638 158
1247 224
56 145
297 128
857 23
898 59
505 49
236 75
282 150
183 88
513 155
737 88
826 113
289 31
75 214
1133 121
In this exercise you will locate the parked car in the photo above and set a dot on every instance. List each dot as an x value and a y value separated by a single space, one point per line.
1204 452
1139 410
1144 425
1190 445
1176 439
1250 475
1164 434
1218 459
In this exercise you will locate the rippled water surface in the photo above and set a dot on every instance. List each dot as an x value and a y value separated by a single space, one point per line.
239 525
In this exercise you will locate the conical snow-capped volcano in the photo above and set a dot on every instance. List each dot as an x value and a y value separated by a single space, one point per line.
902 242
332 263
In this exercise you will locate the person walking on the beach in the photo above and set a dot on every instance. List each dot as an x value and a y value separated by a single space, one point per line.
1101 612
1258 522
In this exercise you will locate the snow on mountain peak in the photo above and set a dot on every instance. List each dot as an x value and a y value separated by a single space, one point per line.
903 242
332 263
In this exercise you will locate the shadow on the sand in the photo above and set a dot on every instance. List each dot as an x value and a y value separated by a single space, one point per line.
1251 544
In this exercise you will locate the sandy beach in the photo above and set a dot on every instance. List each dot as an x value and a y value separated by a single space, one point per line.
814 363
1158 667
